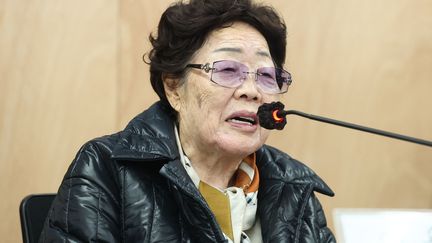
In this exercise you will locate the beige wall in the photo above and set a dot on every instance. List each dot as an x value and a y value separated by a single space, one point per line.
72 70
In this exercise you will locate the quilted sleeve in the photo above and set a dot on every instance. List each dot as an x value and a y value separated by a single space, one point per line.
87 207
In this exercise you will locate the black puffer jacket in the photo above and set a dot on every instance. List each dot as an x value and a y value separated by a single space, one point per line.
131 187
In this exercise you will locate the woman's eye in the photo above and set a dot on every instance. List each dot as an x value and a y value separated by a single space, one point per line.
228 70
266 75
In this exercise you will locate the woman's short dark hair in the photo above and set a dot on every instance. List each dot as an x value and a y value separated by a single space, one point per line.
184 27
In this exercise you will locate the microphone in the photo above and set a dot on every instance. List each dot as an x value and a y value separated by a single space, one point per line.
272 116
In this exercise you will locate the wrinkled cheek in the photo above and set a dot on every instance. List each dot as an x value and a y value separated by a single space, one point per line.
203 100
204 112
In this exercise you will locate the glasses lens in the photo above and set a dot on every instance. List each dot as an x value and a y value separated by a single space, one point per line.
231 74
228 73
273 80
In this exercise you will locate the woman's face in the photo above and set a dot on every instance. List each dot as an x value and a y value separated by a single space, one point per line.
208 112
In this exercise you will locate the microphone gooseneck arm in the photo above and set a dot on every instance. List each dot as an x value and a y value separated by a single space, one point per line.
356 127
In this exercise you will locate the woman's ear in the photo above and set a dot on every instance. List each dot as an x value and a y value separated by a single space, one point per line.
171 87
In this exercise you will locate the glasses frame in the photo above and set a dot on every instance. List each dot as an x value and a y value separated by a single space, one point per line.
206 68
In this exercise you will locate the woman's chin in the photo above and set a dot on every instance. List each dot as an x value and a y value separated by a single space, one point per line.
238 146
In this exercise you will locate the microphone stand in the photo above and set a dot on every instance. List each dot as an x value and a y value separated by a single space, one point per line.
358 127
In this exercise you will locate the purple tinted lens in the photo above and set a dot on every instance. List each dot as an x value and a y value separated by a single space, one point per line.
273 80
283 79
228 73
231 74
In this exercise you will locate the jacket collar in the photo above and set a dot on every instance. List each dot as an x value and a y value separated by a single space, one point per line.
150 137
276 165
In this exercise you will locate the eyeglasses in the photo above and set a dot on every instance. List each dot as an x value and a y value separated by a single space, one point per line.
232 74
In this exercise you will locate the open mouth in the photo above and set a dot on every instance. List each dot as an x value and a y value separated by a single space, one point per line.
243 120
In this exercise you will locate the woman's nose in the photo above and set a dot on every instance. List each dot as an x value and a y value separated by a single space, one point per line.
248 89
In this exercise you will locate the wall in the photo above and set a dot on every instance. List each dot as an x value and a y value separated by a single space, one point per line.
72 70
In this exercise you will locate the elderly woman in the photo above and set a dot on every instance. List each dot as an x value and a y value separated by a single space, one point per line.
194 167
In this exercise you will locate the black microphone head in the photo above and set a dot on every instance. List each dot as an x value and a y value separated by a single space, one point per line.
268 117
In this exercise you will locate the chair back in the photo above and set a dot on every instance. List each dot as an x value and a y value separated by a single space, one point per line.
33 212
